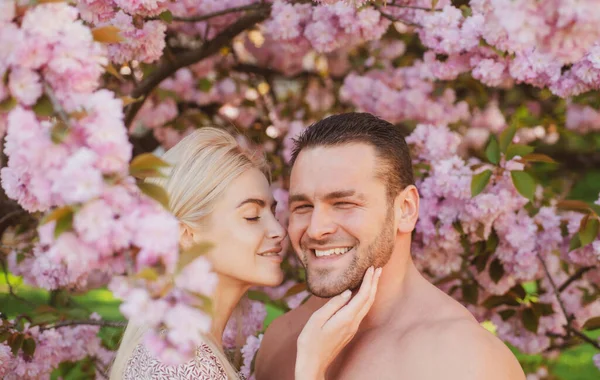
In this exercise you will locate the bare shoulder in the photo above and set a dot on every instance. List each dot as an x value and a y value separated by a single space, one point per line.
277 353
457 348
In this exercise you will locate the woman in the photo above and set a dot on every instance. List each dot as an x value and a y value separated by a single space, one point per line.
221 194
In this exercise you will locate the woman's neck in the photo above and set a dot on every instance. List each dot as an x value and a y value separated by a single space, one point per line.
227 295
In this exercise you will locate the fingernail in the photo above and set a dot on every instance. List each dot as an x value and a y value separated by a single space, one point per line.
346 294
379 270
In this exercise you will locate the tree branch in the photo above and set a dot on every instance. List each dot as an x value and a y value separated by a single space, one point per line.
556 292
583 336
576 276
167 68
90 322
207 16
10 288
413 7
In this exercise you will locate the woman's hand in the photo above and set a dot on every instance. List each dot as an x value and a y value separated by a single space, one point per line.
331 327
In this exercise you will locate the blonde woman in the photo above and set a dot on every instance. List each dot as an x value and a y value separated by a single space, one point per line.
221 194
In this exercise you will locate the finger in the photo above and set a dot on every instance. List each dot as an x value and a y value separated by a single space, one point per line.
326 311
350 311
373 291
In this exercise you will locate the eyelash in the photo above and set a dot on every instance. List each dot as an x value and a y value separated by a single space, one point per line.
253 219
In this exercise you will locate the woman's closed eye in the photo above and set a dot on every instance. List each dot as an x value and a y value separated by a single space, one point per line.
254 219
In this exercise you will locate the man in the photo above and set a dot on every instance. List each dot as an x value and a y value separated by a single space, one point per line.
352 205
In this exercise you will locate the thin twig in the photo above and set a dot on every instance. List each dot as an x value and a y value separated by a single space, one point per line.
10 215
90 322
556 292
10 288
583 336
413 7
207 16
56 104
166 69
396 19
576 276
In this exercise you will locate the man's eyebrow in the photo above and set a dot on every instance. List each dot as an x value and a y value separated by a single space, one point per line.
257 201
333 195
341 194
298 198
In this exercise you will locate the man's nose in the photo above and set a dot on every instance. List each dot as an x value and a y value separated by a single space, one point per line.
321 224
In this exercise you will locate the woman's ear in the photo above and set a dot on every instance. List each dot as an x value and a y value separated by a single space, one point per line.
406 205
186 236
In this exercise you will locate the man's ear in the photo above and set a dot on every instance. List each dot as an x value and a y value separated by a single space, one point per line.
406 206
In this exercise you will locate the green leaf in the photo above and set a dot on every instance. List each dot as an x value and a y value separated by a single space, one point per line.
492 242
4 334
166 16
506 137
192 253
15 342
59 132
492 151
480 181
494 301
63 224
538 157
530 320
29 347
109 34
592 324
524 183
518 290
481 261
507 314
204 85
56 214
496 270
518 150
8 104
574 243
573 204
43 107
297 288
470 293
147 165
155 192
595 208
542 309
589 232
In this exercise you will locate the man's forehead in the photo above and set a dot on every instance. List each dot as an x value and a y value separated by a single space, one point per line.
325 170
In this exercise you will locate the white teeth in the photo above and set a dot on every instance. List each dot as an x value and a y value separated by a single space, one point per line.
333 251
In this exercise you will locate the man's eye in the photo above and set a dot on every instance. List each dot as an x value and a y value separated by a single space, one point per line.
302 208
344 204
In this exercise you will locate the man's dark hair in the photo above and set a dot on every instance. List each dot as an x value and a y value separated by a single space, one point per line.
386 138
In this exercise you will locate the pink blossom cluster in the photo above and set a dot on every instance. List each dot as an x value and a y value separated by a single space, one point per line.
404 94
143 41
326 27
174 310
53 346
582 118
246 322
452 223
50 47
248 353
209 28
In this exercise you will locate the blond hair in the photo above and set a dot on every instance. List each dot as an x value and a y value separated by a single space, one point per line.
203 165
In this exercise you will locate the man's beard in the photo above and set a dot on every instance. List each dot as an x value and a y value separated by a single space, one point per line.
377 254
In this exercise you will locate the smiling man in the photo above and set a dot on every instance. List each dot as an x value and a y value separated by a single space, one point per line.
353 204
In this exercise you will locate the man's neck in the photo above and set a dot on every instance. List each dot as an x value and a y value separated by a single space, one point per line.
399 284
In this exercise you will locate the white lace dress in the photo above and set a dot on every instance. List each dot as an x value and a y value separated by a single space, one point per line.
205 366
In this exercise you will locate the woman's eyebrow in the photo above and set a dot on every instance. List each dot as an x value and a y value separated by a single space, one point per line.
257 201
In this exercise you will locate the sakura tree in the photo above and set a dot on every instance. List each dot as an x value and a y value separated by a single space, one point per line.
498 99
